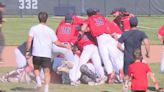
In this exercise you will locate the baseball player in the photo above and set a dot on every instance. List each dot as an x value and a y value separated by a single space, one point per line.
161 37
89 75
117 18
67 34
117 58
76 20
21 62
114 30
20 52
125 17
40 39
107 45
90 51
122 18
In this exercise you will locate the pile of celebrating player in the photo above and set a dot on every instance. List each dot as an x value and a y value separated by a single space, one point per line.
95 50
94 40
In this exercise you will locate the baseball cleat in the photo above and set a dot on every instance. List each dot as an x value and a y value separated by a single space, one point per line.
74 84
65 67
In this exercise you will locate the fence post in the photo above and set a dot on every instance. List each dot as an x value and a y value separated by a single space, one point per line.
105 7
59 3
21 13
149 8
82 7
135 10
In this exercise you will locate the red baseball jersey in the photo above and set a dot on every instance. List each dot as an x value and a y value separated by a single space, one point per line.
125 23
117 21
138 71
77 20
113 28
85 41
62 22
161 31
66 32
97 25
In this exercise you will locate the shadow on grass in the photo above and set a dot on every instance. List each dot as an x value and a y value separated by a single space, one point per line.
21 89
105 91
2 91
152 89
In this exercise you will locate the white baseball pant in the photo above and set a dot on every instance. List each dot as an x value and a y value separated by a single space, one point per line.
91 52
104 45
73 73
91 67
162 62
68 54
112 57
70 57
20 59
116 55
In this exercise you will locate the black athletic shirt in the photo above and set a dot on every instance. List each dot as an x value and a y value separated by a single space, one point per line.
132 39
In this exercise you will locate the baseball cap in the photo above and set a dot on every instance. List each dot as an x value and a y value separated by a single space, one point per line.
96 10
68 18
71 12
114 11
2 5
133 21
122 10
90 11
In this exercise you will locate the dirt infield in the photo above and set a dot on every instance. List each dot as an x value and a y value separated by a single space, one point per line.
9 56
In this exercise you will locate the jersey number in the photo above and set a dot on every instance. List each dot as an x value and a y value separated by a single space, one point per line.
65 30
99 22
28 4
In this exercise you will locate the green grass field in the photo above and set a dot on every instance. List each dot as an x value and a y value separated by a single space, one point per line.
16 29
22 87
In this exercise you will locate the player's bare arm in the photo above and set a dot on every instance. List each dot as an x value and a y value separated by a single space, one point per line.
29 43
84 28
58 43
147 47
119 46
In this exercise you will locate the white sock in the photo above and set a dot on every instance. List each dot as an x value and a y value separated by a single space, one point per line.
38 80
46 88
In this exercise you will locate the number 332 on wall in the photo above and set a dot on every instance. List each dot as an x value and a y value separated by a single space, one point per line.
28 4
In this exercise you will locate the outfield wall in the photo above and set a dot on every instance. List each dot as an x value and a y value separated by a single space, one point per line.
60 7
